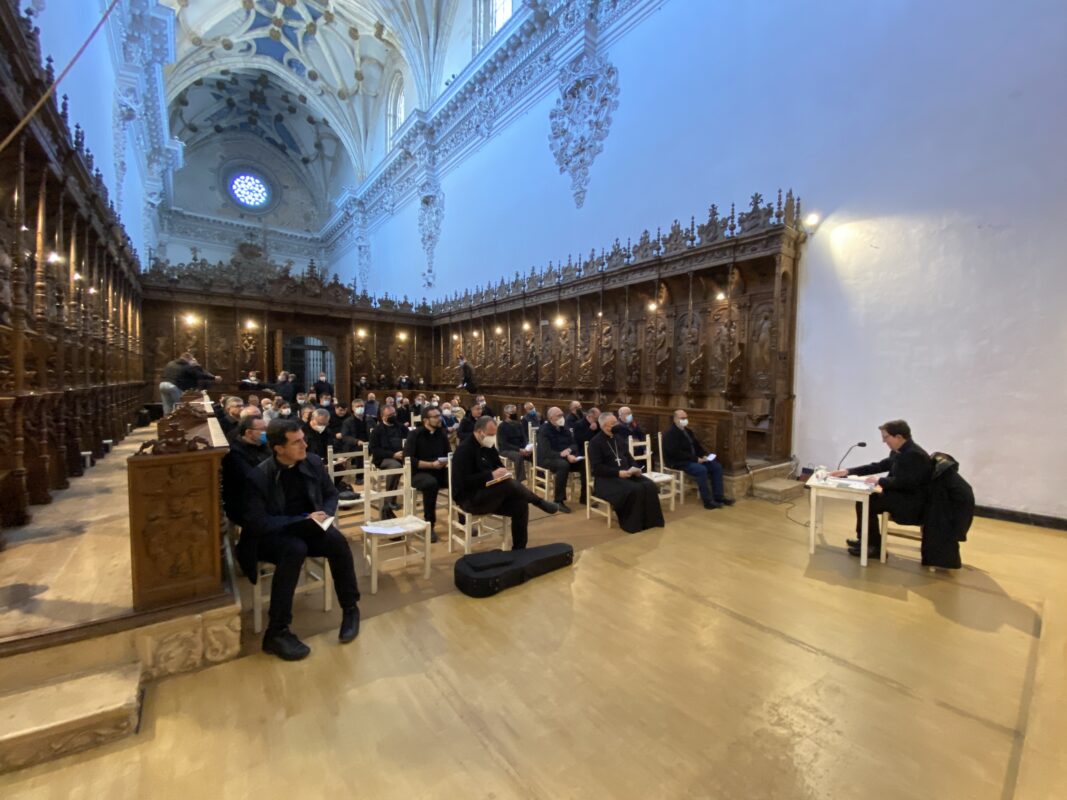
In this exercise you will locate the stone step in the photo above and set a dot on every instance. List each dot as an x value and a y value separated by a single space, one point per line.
55 719
778 490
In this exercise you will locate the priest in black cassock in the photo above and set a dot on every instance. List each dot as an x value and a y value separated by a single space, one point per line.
618 480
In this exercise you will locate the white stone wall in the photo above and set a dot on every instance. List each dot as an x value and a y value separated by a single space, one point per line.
931 141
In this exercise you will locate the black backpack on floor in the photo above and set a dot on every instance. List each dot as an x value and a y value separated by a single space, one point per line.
485 574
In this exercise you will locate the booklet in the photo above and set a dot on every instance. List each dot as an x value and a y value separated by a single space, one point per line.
710 456
326 523
499 480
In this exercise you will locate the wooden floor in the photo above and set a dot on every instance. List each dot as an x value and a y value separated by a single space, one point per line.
713 659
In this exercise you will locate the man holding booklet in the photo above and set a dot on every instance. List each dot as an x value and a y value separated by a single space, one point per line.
481 484
427 450
682 450
633 497
289 516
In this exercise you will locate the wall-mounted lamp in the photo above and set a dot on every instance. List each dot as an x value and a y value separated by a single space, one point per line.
250 325
560 321
362 333
600 313
455 337
720 296
652 306
525 325
77 276
499 330
190 319
402 336
54 257
92 290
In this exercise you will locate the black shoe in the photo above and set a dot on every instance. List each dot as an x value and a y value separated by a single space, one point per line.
873 551
561 506
712 504
547 507
285 645
349 625
725 501
388 513
433 536
852 542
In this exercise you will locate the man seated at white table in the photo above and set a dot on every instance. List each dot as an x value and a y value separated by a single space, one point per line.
902 492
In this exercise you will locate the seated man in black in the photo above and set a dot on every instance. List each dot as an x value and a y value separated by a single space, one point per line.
574 415
477 463
427 448
290 496
317 432
387 452
247 451
487 410
903 492
586 428
466 425
512 442
682 450
634 497
626 426
556 451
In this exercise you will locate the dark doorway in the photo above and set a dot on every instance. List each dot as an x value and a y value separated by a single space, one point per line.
306 357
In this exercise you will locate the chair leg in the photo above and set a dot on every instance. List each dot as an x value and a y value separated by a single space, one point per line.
257 603
426 551
374 566
327 585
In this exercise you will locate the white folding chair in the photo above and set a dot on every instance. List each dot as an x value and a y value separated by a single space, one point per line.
375 487
666 483
315 575
679 475
397 540
484 527
594 505
543 478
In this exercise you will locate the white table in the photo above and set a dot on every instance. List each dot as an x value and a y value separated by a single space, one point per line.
855 491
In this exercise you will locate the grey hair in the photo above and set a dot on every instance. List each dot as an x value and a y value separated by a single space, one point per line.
510 408
604 418
232 400
482 423
320 412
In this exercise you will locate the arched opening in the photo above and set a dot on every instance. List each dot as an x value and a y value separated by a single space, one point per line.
307 357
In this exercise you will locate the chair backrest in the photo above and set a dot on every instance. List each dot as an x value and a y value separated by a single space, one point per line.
641 451
588 471
375 476
349 471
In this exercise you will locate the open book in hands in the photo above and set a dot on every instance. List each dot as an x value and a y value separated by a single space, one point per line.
501 479
325 524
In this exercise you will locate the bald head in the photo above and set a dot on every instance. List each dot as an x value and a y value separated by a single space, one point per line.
555 414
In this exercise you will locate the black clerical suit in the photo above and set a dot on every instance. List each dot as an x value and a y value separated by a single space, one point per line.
551 441
425 445
904 490
622 430
467 380
237 465
634 499
584 431
385 440
511 441
472 469
286 391
318 442
466 428
277 529
322 387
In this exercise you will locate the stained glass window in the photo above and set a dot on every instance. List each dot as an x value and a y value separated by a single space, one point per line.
249 190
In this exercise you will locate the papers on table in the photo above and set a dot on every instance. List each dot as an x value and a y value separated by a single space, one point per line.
856 484
326 523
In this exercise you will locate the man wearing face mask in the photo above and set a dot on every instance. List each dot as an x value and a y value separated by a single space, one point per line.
267 407
682 450
626 426
403 411
427 447
316 432
530 415
475 466
283 408
247 451
633 497
575 416
512 442
371 410
322 386
487 410
466 425
557 451
387 452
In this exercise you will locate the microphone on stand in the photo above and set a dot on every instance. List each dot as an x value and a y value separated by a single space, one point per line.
842 461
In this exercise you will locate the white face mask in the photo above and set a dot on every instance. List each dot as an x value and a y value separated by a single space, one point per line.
285 412
322 378
682 423
559 423
325 402
358 411
318 428
489 441
267 407
628 418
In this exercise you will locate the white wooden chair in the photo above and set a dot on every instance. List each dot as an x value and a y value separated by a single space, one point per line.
543 479
343 465
679 475
375 483
666 483
913 532
315 575
484 527
397 540
594 505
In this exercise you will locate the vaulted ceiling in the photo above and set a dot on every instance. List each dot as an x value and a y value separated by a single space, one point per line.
301 74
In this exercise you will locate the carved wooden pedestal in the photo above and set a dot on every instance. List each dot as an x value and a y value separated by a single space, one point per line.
175 523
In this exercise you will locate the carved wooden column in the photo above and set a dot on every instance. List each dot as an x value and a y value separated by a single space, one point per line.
19 499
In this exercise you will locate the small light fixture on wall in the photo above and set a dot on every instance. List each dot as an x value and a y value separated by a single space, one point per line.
525 325
499 330
361 333
54 258
560 321
250 325
475 334
455 337
720 296
190 319
652 306
402 336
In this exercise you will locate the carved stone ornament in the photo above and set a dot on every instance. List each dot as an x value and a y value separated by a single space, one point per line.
431 215
581 120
